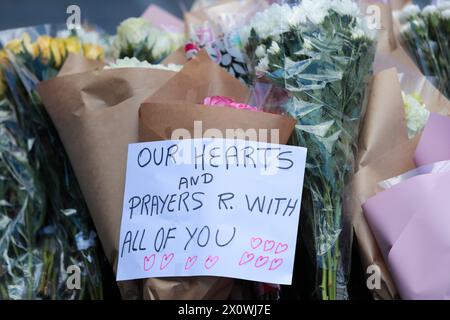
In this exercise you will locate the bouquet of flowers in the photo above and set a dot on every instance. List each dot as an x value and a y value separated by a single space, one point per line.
136 37
410 219
320 53
45 231
426 35
215 28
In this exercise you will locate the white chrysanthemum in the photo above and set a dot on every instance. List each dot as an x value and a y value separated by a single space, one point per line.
316 10
297 17
446 14
274 48
260 51
416 114
362 29
419 23
262 66
444 5
135 63
407 12
358 33
269 23
134 31
163 45
345 7
429 10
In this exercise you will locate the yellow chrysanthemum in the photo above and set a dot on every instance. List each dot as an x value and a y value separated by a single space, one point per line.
26 42
56 52
73 44
42 46
93 51
15 46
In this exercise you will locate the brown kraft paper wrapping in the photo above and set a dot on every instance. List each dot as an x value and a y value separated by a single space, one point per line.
384 152
96 115
177 105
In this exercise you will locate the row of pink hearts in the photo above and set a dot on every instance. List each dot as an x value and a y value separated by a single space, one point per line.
261 261
149 261
268 246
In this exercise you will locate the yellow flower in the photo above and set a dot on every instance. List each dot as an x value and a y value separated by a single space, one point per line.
42 46
15 46
72 44
93 51
56 53
26 42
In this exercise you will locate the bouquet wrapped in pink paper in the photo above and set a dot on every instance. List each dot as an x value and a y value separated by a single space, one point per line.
410 220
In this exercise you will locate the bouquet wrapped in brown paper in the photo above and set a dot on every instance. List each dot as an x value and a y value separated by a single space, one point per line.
96 115
385 150
178 104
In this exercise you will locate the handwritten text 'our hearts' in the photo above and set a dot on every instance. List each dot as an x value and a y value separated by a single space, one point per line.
217 207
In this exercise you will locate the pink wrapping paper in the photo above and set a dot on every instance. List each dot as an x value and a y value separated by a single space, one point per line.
411 221
434 144
162 19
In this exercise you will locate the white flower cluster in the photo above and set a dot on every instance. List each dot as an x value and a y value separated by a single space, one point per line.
413 10
446 14
135 63
269 23
429 10
443 6
137 32
416 114
134 32
278 19
408 12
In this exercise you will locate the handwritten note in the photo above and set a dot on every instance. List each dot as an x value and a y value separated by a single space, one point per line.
214 207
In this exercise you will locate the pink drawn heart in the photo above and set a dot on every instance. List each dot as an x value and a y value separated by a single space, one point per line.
269 245
166 259
190 261
255 242
282 247
275 264
246 258
211 261
261 261
149 261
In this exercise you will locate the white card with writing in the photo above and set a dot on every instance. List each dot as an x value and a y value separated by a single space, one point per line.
211 207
